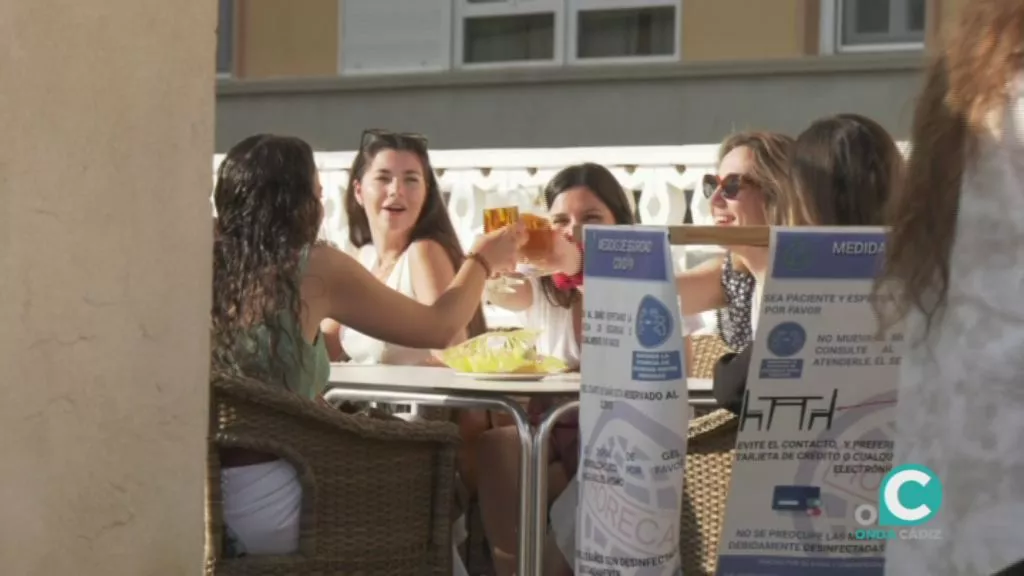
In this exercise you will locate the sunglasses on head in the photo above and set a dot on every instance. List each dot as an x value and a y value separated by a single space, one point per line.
731 184
372 135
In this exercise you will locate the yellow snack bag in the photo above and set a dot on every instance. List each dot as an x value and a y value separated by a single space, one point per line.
501 352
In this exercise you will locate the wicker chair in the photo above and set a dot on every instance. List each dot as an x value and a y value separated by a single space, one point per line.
710 450
377 494
707 349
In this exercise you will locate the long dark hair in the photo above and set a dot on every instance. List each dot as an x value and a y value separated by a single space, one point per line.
267 214
606 187
431 224
964 94
844 168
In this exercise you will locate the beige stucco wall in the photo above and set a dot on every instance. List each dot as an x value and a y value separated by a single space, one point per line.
106 114
747 29
281 39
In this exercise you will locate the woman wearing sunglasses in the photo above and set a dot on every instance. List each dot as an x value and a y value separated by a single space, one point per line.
751 188
843 170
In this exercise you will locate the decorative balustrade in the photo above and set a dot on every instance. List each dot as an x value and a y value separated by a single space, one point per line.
664 182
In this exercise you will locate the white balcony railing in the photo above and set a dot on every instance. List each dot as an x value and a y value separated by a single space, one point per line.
658 176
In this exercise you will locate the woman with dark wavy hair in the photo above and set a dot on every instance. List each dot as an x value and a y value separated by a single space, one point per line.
272 286
954 271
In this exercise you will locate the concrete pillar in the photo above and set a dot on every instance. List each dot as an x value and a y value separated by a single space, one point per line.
106 136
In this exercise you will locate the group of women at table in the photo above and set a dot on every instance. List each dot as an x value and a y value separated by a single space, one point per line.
281 297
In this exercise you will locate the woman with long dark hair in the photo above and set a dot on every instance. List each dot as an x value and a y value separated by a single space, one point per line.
577 195
272 286
398 220
954 271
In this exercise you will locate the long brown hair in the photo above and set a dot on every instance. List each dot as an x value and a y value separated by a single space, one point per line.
267 214
431 224
603 184
844 170
771 153
964 93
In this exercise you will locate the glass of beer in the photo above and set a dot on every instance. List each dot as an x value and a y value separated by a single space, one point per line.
539 237
496 219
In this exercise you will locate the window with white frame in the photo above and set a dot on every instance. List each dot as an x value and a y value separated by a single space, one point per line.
501 32
601 30
509 31
879 24
226 37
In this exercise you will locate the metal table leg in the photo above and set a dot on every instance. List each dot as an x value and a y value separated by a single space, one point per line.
540 472
527 489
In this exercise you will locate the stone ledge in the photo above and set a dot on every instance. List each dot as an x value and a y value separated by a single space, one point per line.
817 65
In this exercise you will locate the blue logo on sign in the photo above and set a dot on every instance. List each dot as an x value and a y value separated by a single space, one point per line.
653 322
909 495
786 339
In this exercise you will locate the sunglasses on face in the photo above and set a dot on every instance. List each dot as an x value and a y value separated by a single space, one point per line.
731 184
410 139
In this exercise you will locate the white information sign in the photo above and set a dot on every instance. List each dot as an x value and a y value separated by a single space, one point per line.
816 430
633 406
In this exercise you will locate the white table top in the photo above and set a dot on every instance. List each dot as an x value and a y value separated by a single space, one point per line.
427 378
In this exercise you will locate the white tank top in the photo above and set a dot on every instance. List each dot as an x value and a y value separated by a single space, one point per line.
360 348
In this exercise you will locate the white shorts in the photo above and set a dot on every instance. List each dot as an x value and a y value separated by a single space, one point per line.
261 507
262 504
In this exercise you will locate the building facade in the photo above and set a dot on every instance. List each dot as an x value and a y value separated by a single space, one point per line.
564 73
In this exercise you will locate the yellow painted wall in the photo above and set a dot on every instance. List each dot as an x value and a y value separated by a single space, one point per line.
747 29
279 38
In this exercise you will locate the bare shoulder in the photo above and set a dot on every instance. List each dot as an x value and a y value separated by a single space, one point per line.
428 254
327 269
324 258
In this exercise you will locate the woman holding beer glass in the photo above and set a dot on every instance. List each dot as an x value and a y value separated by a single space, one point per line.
552 304
272 285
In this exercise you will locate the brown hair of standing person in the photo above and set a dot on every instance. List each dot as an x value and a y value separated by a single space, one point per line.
844 169
965 89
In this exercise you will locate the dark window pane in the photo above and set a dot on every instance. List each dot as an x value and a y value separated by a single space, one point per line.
871 16
626 32
225 37
915 15
509 38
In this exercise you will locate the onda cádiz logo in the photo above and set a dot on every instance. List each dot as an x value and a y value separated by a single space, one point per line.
909 496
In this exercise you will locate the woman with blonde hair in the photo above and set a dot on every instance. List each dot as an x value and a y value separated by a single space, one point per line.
954 271
843 170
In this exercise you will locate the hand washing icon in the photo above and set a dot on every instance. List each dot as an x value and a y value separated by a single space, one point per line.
653 322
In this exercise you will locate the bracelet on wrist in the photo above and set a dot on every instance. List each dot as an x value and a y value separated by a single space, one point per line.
481 261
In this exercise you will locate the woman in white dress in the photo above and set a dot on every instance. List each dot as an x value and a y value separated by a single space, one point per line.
955 260
398 221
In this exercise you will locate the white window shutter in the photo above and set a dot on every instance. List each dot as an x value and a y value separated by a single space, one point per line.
395 36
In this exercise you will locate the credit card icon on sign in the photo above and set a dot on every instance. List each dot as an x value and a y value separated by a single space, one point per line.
795 498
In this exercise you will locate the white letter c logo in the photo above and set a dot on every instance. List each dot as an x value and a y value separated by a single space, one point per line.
892 495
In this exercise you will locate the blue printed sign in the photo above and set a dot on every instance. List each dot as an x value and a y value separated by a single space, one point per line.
815 429
629 254
828 255
633 406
